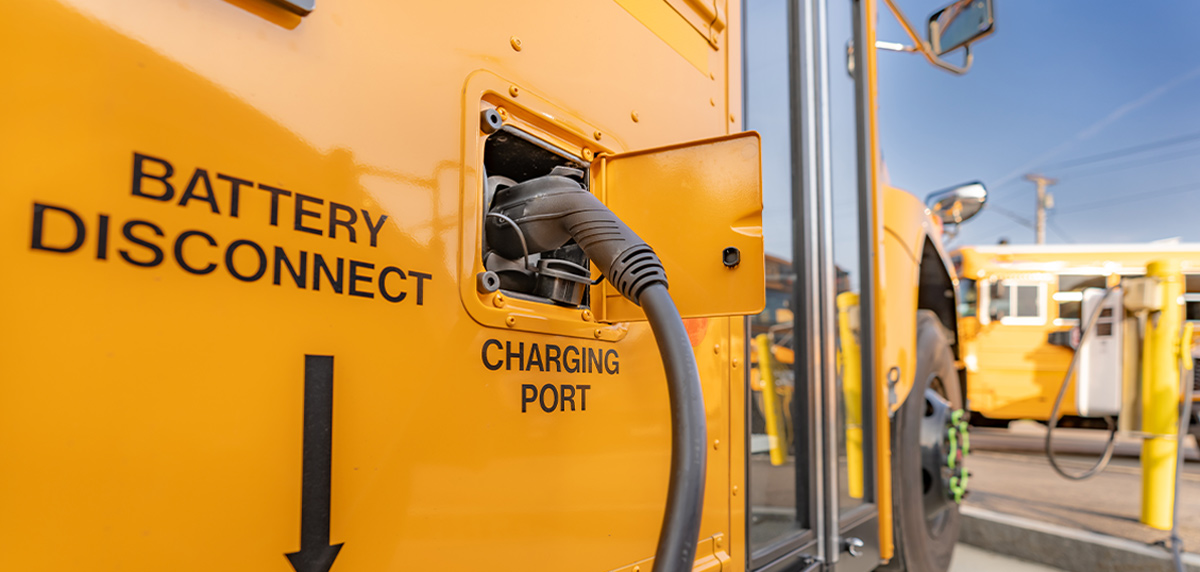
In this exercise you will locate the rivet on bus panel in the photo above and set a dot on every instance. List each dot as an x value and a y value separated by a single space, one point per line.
515 42
587 315
511 321
588 155
634 116
498 301
514 90
597 135
716 348
503 113
716 444
599 333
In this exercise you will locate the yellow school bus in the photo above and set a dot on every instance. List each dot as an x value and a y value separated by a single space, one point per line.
322 285
1012 297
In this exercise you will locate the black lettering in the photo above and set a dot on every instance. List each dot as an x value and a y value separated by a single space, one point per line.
571 365
102 239
355 278
281 259
593 360
421 278
542 398
334 221
566 397
610 362
383 289
190 193
583 396
127 230
235 192
39 212
275 193
262 260
535 357
374 229
488 364
301 213
528 395
139 174
179 252
520 355
552 357
319 267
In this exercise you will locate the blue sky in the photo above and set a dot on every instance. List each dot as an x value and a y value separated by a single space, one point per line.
1057 82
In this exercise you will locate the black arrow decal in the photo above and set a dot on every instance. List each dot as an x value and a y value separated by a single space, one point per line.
316 555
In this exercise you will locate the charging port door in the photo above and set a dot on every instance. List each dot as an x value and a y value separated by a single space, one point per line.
700 205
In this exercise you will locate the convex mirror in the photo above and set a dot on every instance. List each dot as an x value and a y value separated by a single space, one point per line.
957 204
959 24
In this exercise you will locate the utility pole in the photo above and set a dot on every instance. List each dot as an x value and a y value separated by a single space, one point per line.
1043 202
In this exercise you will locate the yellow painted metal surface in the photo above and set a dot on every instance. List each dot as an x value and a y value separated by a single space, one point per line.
713 194
850 359
153 408
1161 359
777 441
884 307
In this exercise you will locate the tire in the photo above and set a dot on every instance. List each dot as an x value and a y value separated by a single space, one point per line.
927 523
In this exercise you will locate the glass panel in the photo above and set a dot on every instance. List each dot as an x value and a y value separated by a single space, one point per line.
968 298
1028 304
998 305
848 386
1068 310
1072 283
775 507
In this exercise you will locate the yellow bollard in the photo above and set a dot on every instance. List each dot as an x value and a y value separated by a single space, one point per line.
851 354
770 400
1160 396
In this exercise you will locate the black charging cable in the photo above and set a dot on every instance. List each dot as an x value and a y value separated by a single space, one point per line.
545 213
1062 390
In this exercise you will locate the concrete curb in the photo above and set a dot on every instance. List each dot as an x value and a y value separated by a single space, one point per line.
1061 547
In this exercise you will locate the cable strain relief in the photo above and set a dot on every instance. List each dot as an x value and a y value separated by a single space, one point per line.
635 269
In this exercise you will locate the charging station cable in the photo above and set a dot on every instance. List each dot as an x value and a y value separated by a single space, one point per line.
1062 391
1185 417
545 213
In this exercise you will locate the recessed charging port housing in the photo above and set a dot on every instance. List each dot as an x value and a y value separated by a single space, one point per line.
559 275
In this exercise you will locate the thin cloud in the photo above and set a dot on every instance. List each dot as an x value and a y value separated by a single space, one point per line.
1091 130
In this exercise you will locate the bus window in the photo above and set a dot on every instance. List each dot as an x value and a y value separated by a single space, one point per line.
1070 292
1018 303
968 298
1191 296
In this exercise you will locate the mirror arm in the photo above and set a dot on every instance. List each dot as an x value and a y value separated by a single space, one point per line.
923 46
894 46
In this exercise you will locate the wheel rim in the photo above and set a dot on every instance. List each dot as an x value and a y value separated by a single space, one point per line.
939 481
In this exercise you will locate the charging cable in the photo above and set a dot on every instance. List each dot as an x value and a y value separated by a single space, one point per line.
1062 390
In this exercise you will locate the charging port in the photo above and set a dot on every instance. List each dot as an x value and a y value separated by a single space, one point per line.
560 276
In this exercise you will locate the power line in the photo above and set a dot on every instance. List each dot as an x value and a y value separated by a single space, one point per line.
1013 216
1101 169
1122 152
1187 188
1059 231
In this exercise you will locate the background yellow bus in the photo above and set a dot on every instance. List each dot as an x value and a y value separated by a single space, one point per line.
1012 297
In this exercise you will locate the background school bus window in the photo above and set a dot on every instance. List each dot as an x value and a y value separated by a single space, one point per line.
1018 303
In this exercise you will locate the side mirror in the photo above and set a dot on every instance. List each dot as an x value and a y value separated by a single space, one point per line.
959 24
957 204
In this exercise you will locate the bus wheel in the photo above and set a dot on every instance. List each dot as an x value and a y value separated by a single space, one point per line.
925 446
